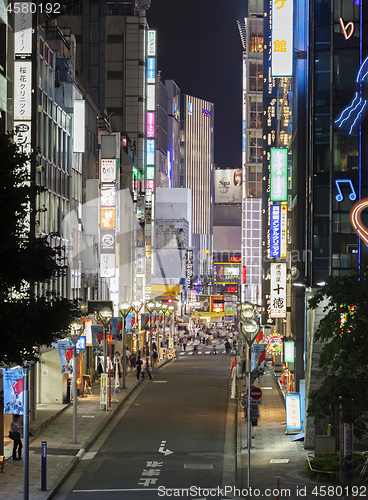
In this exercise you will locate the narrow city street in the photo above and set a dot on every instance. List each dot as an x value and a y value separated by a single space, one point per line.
170 434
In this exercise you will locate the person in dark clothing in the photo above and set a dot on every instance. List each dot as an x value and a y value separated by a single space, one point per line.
138 367
227 348
146 368
17 440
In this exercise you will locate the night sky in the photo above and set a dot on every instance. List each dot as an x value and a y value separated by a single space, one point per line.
199 48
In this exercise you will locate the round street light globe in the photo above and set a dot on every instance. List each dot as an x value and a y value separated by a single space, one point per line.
105 312
124 306
150 306
250 326
246 310
164 307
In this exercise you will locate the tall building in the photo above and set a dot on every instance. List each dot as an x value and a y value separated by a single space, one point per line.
173 139
196 168
251 35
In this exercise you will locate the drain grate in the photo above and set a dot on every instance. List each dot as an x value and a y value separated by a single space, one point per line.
279 460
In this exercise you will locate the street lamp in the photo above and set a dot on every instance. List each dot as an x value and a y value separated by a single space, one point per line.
75 332
164 307
105 316
158 310
249 329
172 309
137 306
125 309
151 307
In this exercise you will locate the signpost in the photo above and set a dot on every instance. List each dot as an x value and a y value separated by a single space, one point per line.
255 393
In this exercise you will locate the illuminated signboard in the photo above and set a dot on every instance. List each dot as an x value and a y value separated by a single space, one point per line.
150 173
278 174
282 38
190 108
150 184
150 124
275 231
151 47
81 343
22 90
151 70
108 170
207 113
23 31
79 126
151 97
289 351
292 404
107 265
283 242
274 344
107 218
150 152
278 290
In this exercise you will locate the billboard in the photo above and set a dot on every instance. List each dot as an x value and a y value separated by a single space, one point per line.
278 174
228 186
282 38
278 290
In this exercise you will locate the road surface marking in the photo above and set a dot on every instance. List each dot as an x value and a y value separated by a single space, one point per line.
161 449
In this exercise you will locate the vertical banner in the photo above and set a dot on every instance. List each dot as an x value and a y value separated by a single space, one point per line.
346 452
282 38
278 290
292 404
13 392
66 356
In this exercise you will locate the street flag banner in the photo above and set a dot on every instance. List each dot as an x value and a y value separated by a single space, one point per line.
116 328
97 338
233 365
13 392
130 323
103 389
66 356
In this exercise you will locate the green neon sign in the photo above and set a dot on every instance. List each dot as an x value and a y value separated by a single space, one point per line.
278 174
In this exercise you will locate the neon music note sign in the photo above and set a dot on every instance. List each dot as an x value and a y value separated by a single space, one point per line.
339 197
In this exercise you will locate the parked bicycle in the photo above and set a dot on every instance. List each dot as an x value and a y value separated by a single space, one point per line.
361 472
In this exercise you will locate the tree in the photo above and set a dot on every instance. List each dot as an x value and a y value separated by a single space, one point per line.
27 319
344 356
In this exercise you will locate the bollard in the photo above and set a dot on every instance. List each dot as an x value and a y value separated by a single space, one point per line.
43 465
278 488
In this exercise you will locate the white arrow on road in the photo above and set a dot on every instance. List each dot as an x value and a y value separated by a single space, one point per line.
161 449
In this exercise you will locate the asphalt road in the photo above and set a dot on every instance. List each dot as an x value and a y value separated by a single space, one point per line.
172 434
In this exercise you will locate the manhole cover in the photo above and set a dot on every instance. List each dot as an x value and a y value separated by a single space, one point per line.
279 461
198 466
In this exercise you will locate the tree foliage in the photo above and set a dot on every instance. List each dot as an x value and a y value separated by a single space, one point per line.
344 357
27 320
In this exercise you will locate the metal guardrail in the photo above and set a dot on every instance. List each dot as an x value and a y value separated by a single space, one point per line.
310 456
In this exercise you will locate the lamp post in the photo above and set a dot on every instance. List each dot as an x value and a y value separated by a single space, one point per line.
158 310
164 307
137 306
105 316
249 330
75 332
125 309
172 309
151 306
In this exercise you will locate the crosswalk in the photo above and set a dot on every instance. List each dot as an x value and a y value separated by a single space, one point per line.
190 352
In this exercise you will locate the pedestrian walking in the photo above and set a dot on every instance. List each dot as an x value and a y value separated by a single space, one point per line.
254 415
177 350
242 360
117 368
214 344
138 367
154 355
184 343
227 348
17 446
195 346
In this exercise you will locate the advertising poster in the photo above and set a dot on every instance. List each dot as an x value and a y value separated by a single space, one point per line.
228 186
66 356
145 321
13 392
87 323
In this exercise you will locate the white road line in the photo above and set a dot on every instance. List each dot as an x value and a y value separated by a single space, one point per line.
115 490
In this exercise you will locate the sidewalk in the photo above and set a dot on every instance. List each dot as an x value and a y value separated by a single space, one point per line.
273 454
54 425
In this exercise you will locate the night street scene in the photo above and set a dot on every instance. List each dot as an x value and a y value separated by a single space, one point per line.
184 249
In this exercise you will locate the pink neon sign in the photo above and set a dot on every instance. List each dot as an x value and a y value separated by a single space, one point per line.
151 124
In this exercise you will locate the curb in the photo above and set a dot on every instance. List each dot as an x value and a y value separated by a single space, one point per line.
94 436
